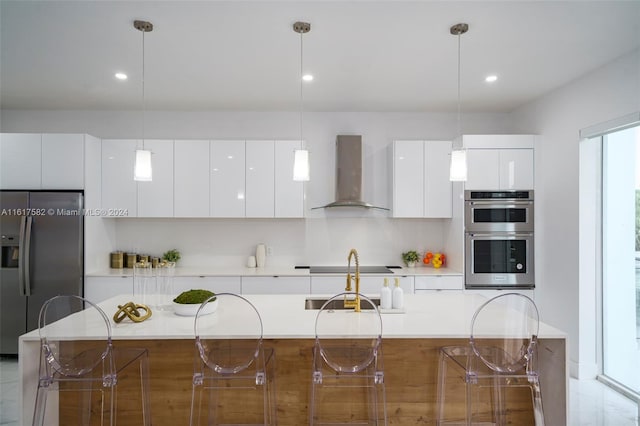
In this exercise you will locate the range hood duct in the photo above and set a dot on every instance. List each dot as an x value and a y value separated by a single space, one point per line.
349 174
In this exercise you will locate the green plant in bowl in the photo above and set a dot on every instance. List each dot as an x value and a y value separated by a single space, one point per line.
192 297
410 258
172 255
189 303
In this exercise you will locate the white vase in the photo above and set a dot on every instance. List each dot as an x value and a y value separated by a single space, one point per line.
261 255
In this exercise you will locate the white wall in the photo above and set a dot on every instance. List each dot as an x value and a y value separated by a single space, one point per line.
325 236
607 93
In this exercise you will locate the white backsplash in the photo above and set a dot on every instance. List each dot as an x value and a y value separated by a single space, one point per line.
221 242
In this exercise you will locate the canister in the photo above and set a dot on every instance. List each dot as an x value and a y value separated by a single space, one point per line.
117 260
130 260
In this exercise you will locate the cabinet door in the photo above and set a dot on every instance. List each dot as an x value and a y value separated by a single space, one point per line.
289 201
98 289
227 184
408 179
119 190
20 161
516 169
276 285
215 284
191 178
483 169
371 285
437 186
439 282
62 161
155 198
260 179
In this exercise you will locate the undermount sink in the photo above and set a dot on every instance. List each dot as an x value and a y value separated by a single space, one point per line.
312 303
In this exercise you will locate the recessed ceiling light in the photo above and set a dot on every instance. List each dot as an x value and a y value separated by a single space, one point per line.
121 76
307 77
491 78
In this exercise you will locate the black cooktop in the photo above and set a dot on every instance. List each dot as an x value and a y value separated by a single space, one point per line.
343 269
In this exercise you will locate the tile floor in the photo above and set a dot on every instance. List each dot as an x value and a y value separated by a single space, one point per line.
591 402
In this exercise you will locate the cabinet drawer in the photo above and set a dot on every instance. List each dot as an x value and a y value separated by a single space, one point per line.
276 285
439 282
214 284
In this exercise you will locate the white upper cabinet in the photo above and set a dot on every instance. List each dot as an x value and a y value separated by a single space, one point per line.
260 185
437 186
516 169
227 184
119 190
155 198
500 162
483 169
408 179
289 194
191 178
62 161
20 161
421 186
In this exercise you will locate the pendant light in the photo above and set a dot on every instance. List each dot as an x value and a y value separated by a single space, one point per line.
458 168
142 169
301 156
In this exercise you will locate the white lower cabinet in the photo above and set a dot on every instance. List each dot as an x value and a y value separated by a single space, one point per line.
97 289
489 294
276 285
369 285
215 284
439 282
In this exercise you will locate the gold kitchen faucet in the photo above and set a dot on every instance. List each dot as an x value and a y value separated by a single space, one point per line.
353 303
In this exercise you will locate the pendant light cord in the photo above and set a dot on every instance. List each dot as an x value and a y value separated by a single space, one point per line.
301 85
458 123
143 98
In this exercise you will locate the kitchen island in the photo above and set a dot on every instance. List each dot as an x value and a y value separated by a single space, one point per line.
410 344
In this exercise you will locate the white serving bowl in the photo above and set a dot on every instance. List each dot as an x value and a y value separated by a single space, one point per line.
191 309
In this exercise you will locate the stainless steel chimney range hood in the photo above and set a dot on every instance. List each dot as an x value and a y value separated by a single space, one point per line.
349 174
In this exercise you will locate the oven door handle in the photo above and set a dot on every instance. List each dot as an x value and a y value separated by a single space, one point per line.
501 204
501 235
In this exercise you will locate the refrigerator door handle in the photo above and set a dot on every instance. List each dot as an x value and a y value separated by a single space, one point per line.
23 225
27 253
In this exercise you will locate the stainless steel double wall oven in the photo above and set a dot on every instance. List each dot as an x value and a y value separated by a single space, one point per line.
499 241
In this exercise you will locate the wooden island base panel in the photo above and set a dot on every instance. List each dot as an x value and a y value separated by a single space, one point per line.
411 372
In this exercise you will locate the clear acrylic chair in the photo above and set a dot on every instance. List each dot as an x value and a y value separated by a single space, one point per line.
347 385
499 365
234 374
80 368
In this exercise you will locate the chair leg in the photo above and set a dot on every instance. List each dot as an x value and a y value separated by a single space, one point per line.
442 374
538 413
40 407
144 389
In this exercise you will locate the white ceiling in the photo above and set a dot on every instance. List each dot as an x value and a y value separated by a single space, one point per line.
243 55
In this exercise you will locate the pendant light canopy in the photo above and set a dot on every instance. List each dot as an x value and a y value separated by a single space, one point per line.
142 170
458 167
301 156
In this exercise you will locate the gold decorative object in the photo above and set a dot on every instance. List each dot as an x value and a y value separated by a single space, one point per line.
132 310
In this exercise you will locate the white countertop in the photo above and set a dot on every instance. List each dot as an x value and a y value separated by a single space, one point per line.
270 271
438 315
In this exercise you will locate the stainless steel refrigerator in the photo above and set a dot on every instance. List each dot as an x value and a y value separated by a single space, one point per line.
42 256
